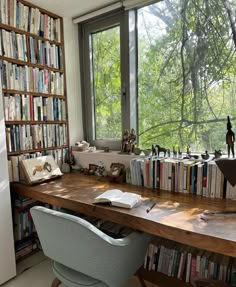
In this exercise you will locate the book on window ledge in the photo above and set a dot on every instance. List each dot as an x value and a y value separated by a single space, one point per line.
118 198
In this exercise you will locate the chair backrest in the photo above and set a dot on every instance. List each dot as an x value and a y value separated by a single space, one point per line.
79 245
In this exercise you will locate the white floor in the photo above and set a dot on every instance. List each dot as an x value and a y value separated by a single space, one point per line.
36 271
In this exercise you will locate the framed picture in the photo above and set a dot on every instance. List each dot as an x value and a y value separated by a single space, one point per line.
39 169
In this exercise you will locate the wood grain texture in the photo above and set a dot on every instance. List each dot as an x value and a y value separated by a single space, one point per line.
175 216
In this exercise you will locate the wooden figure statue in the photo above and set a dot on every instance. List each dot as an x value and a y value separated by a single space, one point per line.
132 139
230 138
125 142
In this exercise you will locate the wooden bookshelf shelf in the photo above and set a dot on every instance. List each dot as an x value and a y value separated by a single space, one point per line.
44 11
32 62
23 63
32 58
27 255
8 91
33 122
23 32
36 150
162 279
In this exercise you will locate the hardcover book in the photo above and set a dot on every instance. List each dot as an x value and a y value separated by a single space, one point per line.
118 198
40 169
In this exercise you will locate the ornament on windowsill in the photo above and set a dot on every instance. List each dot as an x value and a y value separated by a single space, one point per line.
230 138
205 155
128 142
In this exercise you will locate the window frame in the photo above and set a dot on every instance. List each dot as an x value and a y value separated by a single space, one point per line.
128 48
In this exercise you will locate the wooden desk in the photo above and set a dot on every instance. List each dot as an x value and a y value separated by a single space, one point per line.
174 216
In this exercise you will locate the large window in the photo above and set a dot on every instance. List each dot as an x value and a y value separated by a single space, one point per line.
186 75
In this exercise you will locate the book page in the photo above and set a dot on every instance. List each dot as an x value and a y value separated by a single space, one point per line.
108 195
127 200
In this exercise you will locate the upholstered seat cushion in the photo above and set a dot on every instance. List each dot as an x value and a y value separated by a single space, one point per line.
72 278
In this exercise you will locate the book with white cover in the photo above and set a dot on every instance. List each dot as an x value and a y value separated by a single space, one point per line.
118 198
40 169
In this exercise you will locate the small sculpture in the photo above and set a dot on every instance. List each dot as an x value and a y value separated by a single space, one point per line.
189 155
174 152
128 141
132 140
230 138
125 141
217 153
168 152
179 152
205 155
157 149
188 152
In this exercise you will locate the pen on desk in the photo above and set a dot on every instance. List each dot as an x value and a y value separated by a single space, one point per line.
151 207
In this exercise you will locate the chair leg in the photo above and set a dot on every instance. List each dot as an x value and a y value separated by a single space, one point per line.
56 282
140 278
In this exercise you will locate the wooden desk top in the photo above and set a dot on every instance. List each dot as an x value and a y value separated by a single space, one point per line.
175 216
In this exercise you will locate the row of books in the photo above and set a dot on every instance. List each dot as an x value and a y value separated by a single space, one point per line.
25 235
30 108
24 226
25 78
14 169
181 175
27 137
187 263
13 45
26 246
21 16
45 53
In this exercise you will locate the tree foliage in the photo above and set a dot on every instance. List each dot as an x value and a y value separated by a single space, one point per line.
186 75
107 83
187 79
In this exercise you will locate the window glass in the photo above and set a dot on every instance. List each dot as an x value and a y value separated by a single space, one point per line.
186 73
106 83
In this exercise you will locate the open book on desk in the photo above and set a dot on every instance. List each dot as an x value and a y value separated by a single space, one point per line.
118 198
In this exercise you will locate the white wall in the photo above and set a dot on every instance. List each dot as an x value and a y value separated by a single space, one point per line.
7 252
83 159
73 81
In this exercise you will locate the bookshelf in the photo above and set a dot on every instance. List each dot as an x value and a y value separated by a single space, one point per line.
33 74
32 63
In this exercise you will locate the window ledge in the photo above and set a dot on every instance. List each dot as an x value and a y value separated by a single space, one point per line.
84 158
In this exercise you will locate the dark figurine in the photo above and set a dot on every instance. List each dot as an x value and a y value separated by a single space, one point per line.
179 152
125 142
188 153
128 141
154 150
157 149
205 155
132 140
230 138
174 152
168 152
217 153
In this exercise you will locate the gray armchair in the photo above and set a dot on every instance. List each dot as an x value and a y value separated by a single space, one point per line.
85 256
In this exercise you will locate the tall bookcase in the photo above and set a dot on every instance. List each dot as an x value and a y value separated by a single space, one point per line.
32 65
